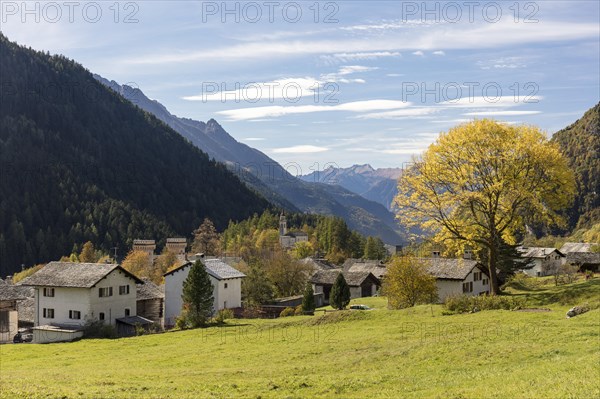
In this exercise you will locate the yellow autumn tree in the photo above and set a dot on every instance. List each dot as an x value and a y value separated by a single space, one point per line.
138 263
408 283
481 182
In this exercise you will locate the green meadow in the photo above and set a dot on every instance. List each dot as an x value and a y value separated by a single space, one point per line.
412 353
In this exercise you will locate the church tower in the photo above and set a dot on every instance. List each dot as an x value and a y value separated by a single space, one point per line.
282 225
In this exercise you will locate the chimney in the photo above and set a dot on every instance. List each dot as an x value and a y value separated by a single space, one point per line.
436 251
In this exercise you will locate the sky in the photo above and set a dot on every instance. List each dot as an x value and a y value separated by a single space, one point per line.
334 83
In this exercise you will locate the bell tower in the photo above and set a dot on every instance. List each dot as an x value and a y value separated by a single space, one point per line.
282 224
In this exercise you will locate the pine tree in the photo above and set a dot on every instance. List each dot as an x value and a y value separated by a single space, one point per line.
340 293
308 302
198 295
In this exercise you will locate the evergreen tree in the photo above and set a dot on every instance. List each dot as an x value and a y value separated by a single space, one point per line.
339 297
308 302
198 295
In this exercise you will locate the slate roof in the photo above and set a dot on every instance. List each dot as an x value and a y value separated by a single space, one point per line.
354 279
450 268
576 247
148 290
537 252
377 270
214 267
11 293
583 258
78 275
296 234
318 264
25 310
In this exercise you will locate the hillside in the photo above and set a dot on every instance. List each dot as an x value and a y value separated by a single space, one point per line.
266 176
377 185
412 353
580 143
80 163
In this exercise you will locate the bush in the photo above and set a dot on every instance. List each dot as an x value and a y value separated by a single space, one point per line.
471 304
298 311
223 315
522 281
97 329
287 312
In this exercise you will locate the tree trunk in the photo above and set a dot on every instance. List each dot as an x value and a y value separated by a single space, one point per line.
492 261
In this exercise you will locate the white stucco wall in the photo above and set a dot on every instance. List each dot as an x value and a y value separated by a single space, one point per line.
114 306
87 301
64 299
230 296
455 287
537 268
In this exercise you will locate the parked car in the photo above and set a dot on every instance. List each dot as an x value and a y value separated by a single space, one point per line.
24 335
360 307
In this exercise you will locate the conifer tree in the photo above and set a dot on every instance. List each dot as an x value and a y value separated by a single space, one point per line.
340 293
308 302
198 295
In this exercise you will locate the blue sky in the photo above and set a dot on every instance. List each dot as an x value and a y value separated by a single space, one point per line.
355 82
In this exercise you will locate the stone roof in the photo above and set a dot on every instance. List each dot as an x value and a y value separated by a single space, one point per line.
78 275
11 292
576 247
318 264
450 268
25 309
214 267
377 270
537 252
583 258
148 290
354 279
296 234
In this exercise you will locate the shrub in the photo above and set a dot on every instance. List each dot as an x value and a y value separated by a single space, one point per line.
223 315
298 311
287 312
97 329
471 304
522 281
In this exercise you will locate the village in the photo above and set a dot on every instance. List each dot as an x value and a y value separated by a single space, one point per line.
61 300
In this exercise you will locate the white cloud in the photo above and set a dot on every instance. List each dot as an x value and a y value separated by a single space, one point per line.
300 149
439 52
400 113
419 53
243 114
369 55
502 113
490 102
254 139
502 34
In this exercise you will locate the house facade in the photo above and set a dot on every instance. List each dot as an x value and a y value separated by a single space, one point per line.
68 295
544 261
361 284
226 282
457 276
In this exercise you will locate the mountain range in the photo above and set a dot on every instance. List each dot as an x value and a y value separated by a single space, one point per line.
266 176
80 163
379 185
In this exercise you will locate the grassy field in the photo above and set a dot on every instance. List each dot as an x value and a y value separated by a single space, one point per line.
415 353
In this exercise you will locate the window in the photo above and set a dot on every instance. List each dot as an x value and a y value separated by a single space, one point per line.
104 292
124 289
225 285
468 287
477 276
127 312
225 305
74 314
101 316
48 313
48 291
484 281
